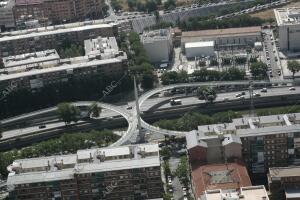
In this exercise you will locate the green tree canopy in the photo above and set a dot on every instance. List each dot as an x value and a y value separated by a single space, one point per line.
294 67
259 69
68 112
95 110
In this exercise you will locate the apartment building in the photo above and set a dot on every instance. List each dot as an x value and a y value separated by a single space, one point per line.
284 182
52 37
263 142
244 193
7 20
127 172
56 12
288 21
225 38
35 70
158 45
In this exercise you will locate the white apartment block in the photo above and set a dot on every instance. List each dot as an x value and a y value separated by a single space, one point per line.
35 70
288 21
158 45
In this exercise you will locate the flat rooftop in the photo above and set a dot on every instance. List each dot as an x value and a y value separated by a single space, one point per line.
31 58
61 167
64 67
52 30
155 35
279 172
287 16
245 193
199 44
219 176
223 32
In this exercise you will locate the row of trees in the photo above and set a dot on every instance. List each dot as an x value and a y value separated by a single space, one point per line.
138 61
200 23
190 121
202 75
67 143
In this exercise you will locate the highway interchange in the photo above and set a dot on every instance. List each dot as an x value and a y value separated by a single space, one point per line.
146 103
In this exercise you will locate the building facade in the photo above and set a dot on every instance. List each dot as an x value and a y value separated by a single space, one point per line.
158 45
263 142
53 37
7 20
128 172
56 12
289 28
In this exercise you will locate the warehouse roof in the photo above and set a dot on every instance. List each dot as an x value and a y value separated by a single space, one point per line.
223 32
199 44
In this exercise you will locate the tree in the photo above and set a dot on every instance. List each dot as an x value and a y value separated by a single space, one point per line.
206 93
259 69
294 67
167 196
182 170
68 112
1 130
147 80
95 110
165 152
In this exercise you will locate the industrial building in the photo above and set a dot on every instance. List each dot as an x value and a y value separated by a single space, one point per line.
35 70
52 37
288 21
158 45
284 182
7 20
262 142
244 193
131 172
225 38
199 49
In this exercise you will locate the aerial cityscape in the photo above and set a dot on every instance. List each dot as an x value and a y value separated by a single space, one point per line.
150 100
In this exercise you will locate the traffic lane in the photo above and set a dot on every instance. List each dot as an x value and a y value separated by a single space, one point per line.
232 96
32 129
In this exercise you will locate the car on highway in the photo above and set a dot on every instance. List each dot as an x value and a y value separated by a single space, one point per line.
42 126
129 107
174 102
292 88
256 94
241 97
264 90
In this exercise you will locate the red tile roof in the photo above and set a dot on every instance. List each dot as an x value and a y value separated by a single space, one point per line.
219 176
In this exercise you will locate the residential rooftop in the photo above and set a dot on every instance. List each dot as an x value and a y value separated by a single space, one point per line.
44 169
52 30
229 176
287 16
280 172
245 193
31 58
